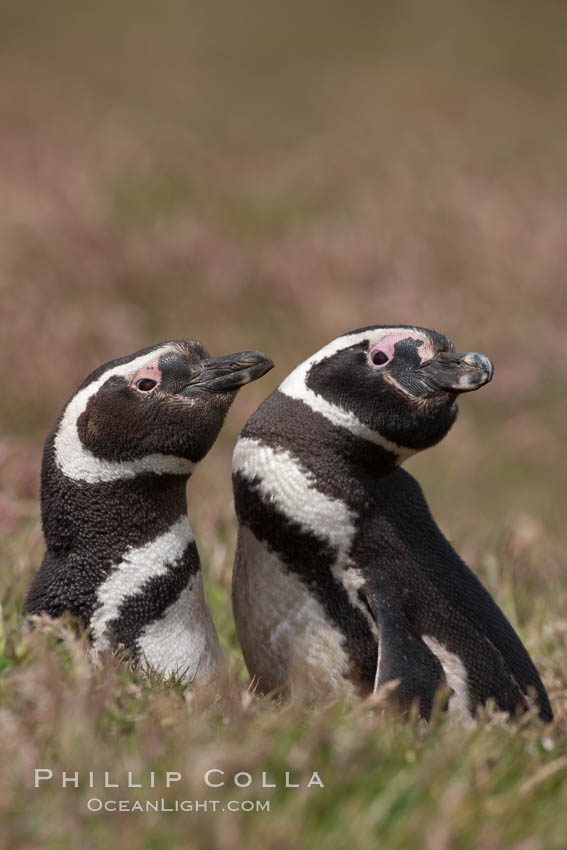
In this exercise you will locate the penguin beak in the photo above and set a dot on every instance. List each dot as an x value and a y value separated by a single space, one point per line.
458 372
229 373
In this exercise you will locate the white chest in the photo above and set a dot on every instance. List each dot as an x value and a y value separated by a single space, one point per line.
182 641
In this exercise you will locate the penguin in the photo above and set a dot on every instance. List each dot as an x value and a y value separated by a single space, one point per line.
343 582
120 553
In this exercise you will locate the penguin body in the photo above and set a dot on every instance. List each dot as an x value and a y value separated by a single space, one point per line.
120 556
342 578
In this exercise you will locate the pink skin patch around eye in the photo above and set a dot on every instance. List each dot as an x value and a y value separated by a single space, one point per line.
387 343
151 372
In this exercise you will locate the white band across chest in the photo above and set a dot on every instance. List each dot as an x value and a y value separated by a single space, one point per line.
281 480
138 565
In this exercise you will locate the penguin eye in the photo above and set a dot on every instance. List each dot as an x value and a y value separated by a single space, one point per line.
378 357
146 385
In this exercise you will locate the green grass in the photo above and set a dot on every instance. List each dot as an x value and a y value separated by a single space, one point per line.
387 783
268 176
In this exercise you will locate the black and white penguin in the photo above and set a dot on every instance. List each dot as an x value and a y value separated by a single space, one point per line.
120 552
342 578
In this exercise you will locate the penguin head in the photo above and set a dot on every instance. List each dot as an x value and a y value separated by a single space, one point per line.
394 385
158 410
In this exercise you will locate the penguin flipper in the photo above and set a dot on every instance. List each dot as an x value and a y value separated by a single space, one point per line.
405 657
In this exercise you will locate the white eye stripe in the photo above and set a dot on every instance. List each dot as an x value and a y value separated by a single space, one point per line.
295 386
373 336
78 463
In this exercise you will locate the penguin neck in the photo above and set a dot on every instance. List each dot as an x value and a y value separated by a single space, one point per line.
107 518
347 467
330 458
356 456
122 559
322 445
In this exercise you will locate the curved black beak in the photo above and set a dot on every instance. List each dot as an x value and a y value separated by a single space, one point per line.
458 372
229 373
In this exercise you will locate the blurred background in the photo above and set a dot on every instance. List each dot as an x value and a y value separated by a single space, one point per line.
268 175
